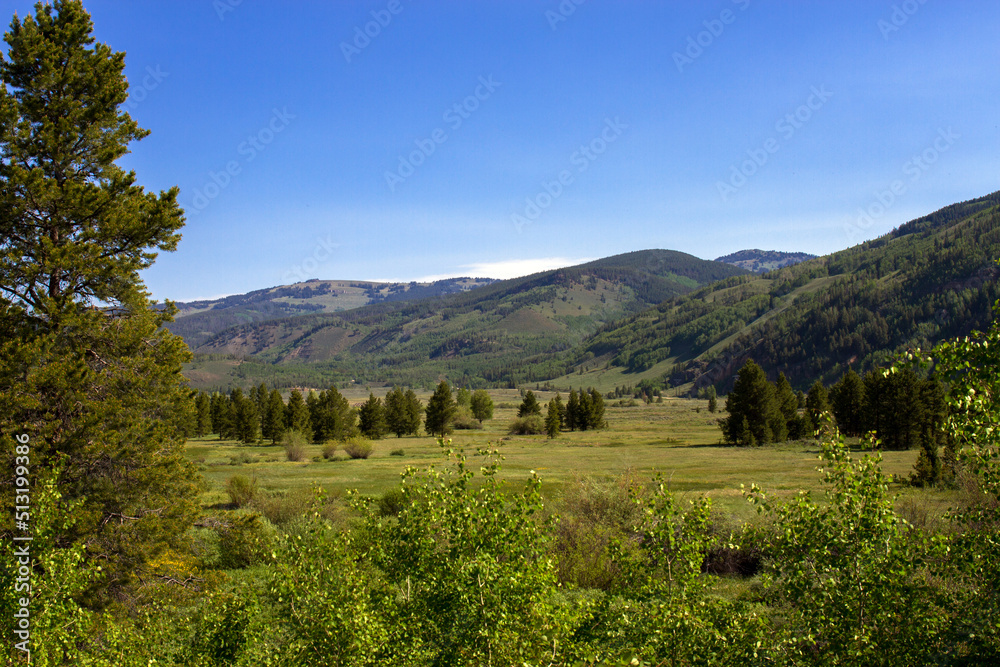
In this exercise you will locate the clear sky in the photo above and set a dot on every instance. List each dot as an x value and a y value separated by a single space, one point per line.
402 139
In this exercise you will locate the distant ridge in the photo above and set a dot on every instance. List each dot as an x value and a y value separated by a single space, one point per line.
761 261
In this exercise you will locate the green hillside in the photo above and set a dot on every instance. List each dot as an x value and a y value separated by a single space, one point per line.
510 331
199 321
933 277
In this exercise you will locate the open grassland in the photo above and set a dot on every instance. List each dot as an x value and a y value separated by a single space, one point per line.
678 438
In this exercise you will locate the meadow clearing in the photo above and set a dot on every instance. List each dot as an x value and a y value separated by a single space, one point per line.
678 438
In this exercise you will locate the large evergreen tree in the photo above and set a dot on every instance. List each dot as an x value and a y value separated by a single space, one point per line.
86 367
753 408
441 410
529 405
847 398
297 415
371 418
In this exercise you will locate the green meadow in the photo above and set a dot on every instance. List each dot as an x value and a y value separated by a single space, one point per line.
679 439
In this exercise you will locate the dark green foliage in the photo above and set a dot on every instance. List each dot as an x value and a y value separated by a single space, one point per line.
203 407
529 405
788 404
440 411
246 541
753 409
553 419
817 402
572 410
86 368
847 398
273 423
331 416
902 410
482 405
246 419
372 418
297 415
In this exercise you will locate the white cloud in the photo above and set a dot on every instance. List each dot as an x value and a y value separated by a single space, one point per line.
509 268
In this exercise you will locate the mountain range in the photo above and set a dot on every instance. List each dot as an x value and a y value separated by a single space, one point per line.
656 316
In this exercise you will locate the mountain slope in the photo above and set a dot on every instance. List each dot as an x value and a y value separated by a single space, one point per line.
503 332
761 261
931 278
198 321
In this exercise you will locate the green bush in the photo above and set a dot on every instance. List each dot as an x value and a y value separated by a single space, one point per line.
294 443
241 489
531 425
240 459
246 541
358 448
397 452
465 421
329 449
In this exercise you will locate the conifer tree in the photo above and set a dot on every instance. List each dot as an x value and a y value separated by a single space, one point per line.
752 407
817 402
529 405
297 415
788 404
595 411
371 418
414 412
203 404
273 425
441 410
572 410
87 369
395 412
847 398
583 410
553 420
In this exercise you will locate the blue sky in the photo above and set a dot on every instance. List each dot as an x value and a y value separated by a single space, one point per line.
399 140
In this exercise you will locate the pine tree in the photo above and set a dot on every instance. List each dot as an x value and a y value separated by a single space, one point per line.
395 412
572 410
87 368
788 404
203 405
752 407
297 415
817 402
583 410
482 405
246 420
441 410
595 411
713 399
273 425
529 405
561 410
552 419
414 412
847 398
371 418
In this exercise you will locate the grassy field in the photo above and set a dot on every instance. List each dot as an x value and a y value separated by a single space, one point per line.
678 438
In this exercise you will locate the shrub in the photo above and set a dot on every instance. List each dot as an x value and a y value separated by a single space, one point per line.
281 508
294 443
246 541
465 420
397 452
392 502
329 449
240 459
359 448
241 490
531 425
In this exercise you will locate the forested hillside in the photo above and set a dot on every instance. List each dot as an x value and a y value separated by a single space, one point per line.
761 261
931 278
198 321
509 331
